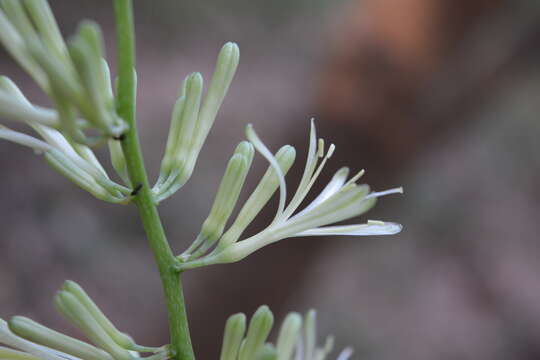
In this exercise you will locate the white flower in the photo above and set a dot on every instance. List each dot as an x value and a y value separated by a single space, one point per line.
340 200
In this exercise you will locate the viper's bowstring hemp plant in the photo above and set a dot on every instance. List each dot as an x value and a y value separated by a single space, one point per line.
88 111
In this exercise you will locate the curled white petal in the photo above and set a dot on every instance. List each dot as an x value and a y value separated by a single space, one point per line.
260 147
371 228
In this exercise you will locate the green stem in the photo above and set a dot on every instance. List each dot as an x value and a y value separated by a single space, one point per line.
178 323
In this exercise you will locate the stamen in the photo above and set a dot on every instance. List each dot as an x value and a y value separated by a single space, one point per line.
356 177
398 190
320 148
331 150
311 163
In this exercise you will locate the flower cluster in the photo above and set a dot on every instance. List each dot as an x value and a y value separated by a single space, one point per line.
340 200
297 338
76 77
29 340
191 122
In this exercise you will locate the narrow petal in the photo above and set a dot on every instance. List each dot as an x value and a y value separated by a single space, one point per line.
311 163
371 228
23 139
261 148
331 188
341 206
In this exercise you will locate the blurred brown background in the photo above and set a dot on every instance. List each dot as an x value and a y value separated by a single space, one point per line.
440 96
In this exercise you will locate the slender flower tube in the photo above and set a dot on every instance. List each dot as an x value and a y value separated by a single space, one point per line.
340 200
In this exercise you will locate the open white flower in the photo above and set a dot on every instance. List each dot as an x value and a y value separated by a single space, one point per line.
340 200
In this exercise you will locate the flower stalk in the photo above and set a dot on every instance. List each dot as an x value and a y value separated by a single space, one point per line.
178 323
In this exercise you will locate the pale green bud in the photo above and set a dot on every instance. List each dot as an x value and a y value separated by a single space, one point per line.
225 201
15 45
18 16
70 306
259 328
310 333
67 167
260 196
119 337
183 124
62 80
226 65
37 333
118 160
86 50
228 191
232 338
45 23
288 336
267 352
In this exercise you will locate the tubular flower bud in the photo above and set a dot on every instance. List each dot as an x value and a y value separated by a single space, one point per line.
233 336
39 334
25 349
225 201
70 306
297 338
29 340
259 328
191 122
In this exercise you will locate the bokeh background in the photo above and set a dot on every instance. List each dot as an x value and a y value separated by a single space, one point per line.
440 96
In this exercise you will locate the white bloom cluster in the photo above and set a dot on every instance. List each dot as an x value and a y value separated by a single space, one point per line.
340 200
